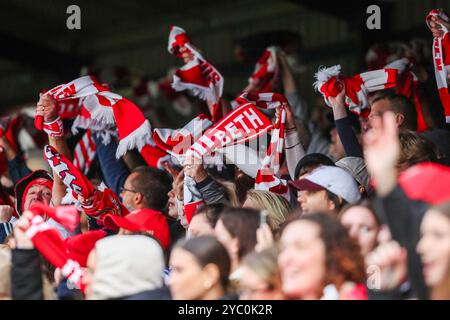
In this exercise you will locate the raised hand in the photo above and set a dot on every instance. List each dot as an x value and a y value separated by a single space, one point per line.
6 212
382 151
338 105
47 108
390 260
435 26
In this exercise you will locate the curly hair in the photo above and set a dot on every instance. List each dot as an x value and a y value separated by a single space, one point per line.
344 261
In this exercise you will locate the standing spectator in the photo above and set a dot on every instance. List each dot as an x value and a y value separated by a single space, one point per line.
200 269
261 279
319 260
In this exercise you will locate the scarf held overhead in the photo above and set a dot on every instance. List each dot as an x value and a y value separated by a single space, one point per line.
441 60
329 82
102 109
198 75
265 70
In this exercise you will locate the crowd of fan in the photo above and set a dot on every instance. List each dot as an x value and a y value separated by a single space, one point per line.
368 215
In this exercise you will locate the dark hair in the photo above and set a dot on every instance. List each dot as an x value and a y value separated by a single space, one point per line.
415 148
154 185
242 224
365 203
212 213
344 261
339 202
206 250
310 162
400 104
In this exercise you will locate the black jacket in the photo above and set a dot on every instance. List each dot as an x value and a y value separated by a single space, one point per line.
26 275
404 216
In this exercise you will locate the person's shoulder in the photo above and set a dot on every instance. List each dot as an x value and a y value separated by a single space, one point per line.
162 293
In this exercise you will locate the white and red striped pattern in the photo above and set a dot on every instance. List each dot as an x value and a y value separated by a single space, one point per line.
84 153
267 177
240 125
49 243
268 100
198 75
69 109
329 83
265 69
177 141
102 109
441 60
408 86
54 128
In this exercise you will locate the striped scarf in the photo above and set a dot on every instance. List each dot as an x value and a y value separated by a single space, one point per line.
198 75
329 82
441 60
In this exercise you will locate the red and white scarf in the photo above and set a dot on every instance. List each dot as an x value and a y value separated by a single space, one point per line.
154 156
84 153
267 177
408 86
242 124
198 75
441 60
49 243
329 82
265 70
95 202
69 109
102 108
177 141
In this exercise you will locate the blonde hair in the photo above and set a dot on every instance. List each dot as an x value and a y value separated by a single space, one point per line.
277 207
231 192
5 272
265 265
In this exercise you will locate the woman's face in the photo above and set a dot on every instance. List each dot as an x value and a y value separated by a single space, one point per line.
302 260
199 226
230 243
186 277
434 247
362 226
253 287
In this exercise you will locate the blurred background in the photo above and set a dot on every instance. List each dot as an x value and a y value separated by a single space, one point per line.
124 43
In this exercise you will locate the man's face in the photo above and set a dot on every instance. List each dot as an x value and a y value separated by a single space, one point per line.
313 201
376 110
128 193
172 204
37 193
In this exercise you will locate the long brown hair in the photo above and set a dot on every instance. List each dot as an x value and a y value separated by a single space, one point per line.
344 261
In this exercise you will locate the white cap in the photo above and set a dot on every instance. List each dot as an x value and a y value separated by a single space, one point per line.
334 179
